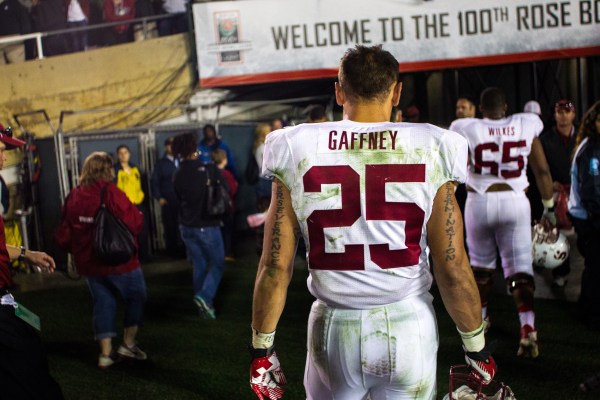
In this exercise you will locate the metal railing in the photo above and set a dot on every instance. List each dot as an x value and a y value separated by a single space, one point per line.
37 36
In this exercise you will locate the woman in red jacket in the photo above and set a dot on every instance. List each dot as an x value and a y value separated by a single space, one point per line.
105 282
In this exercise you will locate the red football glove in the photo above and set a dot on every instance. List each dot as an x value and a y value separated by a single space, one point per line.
266 376
482 364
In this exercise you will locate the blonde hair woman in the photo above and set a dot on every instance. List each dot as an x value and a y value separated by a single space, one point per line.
106 283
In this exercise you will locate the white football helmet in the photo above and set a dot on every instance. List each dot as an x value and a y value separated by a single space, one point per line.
464 385
549 248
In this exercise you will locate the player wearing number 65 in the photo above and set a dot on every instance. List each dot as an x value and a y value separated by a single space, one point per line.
369 197
497 212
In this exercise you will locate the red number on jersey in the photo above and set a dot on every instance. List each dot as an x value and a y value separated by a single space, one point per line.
377 209
506 158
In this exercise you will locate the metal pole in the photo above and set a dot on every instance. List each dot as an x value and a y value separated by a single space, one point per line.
40 49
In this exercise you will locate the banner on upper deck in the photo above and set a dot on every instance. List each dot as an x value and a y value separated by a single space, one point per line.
258 41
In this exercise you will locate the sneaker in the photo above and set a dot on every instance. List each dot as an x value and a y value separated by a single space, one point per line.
131 352
591 383
528 345
105 361
208 312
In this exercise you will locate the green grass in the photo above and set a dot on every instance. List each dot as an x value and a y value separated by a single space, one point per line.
190 358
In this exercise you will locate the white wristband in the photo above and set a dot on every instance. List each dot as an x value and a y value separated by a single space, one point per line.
548 203
474 340
262 340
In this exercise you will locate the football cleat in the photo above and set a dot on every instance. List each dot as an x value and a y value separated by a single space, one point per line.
464 385
549 248
528 345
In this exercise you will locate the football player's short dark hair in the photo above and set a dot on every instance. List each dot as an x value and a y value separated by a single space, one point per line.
492 98
367 72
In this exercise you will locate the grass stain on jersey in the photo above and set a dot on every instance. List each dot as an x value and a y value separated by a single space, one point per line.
280 174
303 166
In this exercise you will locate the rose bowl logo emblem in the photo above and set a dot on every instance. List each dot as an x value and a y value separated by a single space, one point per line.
227 28
228 37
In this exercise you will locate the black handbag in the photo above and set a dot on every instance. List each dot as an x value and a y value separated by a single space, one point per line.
114 243
218 202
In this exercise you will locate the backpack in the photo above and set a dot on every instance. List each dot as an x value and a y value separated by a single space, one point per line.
218 202
252 170
113 242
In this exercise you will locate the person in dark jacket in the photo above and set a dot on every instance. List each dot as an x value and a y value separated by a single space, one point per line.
200 233
163 190
106 283
584 209
14 20
23 365
48 16
558 142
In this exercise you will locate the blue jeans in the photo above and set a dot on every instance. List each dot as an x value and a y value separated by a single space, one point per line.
131 287
205 251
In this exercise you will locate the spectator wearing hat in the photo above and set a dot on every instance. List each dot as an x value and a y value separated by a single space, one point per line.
558 142
23 365
163 190
465 107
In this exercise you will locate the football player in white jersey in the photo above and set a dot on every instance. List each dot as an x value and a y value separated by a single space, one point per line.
497 211
372 199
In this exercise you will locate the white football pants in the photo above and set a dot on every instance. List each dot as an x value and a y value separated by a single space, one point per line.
389 352
503 220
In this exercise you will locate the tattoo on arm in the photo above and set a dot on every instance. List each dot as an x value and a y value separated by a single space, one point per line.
276 232
449 209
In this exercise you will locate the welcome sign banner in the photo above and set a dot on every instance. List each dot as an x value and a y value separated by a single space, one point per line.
260 41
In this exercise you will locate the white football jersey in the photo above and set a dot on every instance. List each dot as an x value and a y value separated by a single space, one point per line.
499 149
363 193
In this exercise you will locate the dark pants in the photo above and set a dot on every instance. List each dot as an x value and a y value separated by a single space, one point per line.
79 40
173 25
24 371
588 240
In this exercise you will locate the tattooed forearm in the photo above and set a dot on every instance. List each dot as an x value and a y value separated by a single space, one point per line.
276 232
449 208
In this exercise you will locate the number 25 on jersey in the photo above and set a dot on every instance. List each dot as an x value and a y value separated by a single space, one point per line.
376 176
